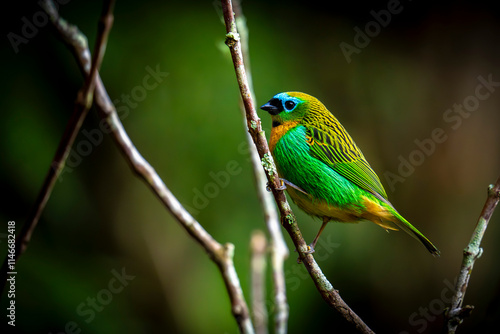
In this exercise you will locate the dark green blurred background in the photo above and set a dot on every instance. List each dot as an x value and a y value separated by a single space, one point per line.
101 221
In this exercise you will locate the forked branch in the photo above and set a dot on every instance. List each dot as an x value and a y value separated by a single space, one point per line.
222 255
82 105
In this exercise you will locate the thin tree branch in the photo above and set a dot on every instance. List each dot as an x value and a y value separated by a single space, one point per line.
258 245
456 313
278 248
222 255
288 221
105 24
82 105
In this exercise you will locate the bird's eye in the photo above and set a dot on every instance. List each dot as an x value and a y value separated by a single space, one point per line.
289 105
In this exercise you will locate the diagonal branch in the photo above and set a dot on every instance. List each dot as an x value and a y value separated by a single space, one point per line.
82 105
277 248
456 313
222 255
329 294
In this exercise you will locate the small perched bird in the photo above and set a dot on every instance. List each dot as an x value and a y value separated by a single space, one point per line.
324 171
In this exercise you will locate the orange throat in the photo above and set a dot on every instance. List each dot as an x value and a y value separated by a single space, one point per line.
278 131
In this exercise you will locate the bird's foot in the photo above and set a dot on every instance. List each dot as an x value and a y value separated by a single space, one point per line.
281 187
310 250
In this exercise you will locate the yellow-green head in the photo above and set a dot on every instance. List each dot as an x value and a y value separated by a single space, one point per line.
292 106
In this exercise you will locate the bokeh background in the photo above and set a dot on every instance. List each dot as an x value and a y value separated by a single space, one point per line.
101 220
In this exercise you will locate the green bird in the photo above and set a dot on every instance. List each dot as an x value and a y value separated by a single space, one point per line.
324 171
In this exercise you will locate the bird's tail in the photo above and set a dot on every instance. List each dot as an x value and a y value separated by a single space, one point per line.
411 230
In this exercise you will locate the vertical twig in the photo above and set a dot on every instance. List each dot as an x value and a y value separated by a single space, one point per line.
258 245
82 105
329 294
456 313
278 248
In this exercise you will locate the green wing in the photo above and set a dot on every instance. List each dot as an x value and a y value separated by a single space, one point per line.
333 146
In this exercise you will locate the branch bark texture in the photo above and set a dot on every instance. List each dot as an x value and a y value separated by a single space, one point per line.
456 313
222 255
82 105
288 221
277 248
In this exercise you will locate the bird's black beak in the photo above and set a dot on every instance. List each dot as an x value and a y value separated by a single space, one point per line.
273 106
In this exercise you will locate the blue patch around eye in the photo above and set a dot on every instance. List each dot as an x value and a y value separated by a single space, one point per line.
289 103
